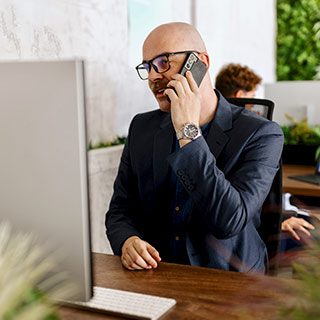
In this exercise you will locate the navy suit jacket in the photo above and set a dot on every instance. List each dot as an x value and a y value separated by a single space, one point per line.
227 177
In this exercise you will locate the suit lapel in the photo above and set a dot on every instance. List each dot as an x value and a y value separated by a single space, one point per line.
216 139
162 147
222 122
163 139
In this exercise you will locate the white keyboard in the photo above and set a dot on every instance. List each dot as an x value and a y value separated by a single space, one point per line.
128 304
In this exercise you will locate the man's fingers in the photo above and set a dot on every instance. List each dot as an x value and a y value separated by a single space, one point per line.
171 94
130 265
133 258
138 254
178 87
294 225
293 233
302 226
192 83
184 85
137 259
307 225
153 252
304 231
144 253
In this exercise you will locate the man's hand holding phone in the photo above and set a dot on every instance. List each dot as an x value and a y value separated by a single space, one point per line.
184 95
185 100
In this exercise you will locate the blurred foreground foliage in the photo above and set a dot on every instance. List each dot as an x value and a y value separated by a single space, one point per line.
26 290
306 290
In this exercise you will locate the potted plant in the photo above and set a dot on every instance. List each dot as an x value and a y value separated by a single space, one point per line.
119 140
301 142
318 161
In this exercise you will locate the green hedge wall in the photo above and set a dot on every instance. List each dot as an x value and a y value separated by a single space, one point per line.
298 39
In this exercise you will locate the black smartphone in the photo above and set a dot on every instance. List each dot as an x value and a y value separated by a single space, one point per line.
196 66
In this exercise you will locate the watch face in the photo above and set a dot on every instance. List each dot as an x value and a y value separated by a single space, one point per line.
191 131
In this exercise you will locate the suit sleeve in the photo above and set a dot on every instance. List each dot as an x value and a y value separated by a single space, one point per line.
121 223
227 203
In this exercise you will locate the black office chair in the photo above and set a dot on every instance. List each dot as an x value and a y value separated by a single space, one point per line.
256 105
271 213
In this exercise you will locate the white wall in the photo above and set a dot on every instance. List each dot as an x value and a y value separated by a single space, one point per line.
139 96
62 29
239 32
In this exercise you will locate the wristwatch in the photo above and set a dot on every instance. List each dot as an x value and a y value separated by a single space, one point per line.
189 131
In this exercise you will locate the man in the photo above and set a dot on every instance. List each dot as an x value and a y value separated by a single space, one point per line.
237 81
195 200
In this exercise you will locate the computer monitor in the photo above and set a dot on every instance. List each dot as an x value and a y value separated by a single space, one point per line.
297 98
43 163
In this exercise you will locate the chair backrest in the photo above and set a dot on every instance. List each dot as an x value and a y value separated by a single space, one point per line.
270 226
263 107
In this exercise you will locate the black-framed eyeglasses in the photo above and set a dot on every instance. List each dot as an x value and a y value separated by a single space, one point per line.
160 63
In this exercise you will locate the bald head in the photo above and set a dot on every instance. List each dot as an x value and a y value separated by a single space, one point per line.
177 37
170 37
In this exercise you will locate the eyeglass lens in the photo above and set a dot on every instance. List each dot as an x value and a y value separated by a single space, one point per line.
160 64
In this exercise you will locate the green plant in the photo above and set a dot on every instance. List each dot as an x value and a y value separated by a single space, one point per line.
117 141
293 299
25 291
317 155
301 133
305 292
298 45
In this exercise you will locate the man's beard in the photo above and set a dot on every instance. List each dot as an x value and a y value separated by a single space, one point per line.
157 89
158 86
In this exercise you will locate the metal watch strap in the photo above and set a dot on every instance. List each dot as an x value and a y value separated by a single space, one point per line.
182 135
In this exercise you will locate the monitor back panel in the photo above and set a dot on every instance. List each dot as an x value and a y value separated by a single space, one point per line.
297 98
43 163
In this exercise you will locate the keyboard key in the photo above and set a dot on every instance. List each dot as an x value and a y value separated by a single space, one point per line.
131 304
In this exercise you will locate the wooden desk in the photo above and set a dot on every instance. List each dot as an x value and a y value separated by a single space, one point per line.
200 293
296 187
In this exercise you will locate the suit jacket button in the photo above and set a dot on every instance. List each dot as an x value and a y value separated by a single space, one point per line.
180 172
190 187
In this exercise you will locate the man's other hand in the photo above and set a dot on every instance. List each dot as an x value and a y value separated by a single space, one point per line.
297 228
138 254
